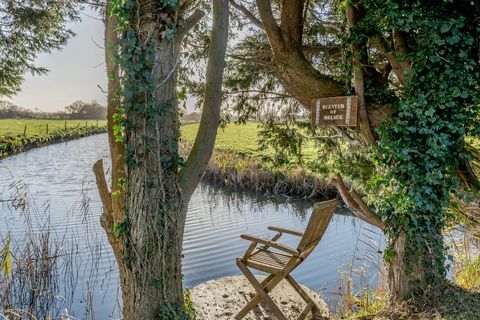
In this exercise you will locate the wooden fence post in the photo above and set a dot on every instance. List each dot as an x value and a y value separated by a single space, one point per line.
85 123
65 124
25 131
47 128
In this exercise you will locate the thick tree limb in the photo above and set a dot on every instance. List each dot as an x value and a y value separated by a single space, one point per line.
117 149
468 176
400 68
247 13
269 23
355 203
297 75
291 20
202 149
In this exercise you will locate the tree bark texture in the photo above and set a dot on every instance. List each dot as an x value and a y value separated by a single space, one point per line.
154 207
145 224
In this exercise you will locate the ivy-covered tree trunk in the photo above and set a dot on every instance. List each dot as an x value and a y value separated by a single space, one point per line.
154 206
407 277
147 233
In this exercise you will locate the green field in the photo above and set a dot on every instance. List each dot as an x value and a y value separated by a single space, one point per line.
15 127
241 139
237 138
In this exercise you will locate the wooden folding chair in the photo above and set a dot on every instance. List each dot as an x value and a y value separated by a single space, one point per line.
279 265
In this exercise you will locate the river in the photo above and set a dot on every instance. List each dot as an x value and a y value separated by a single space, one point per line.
59 186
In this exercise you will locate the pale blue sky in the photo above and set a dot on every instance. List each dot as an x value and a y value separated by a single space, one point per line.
74 73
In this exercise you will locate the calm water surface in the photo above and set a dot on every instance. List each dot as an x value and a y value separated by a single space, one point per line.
59 181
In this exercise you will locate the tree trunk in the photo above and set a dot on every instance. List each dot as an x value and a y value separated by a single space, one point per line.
397 278
415 273
155 210
145 222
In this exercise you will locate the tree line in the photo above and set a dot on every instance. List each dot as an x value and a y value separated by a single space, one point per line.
76 110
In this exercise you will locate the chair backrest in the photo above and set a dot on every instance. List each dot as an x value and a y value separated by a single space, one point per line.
317 225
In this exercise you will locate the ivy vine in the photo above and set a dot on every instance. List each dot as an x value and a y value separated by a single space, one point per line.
420 147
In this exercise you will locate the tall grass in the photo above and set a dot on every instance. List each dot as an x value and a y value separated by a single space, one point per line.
40 270
237 172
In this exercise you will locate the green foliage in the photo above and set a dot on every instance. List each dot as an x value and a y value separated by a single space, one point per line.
189 307
420 147
28 28
285 140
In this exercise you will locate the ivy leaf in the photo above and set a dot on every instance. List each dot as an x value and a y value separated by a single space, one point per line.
454 39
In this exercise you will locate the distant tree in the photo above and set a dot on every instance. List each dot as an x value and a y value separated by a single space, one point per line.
75 107
10 110
84 110
27 28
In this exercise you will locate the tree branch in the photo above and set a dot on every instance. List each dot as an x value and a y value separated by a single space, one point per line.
353 142
202 149
291 20
355 203
400 68
117 149
248 14
364 122
268 21
188 24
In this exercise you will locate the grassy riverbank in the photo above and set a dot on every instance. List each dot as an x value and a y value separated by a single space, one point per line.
17 135
238 163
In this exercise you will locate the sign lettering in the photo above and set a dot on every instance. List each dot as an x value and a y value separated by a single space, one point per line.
335 111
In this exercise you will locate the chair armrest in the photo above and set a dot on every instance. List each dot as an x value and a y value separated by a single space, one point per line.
270 243
289 231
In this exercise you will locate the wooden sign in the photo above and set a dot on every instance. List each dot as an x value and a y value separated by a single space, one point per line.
335 111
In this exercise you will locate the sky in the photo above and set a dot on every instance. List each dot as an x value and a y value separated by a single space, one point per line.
75 72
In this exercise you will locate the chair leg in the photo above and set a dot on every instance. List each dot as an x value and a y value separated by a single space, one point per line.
311 305
305 311
257 298
262 291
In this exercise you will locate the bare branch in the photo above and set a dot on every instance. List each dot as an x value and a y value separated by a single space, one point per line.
271 27
102 186
353 142
400 68
248 14
202 148
364 122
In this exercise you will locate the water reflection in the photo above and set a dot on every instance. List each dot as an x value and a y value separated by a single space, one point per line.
59 179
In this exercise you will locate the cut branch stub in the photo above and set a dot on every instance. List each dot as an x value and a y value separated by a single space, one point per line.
102 186
355 203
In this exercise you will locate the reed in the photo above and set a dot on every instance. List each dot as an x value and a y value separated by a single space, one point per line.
240 172
39 270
